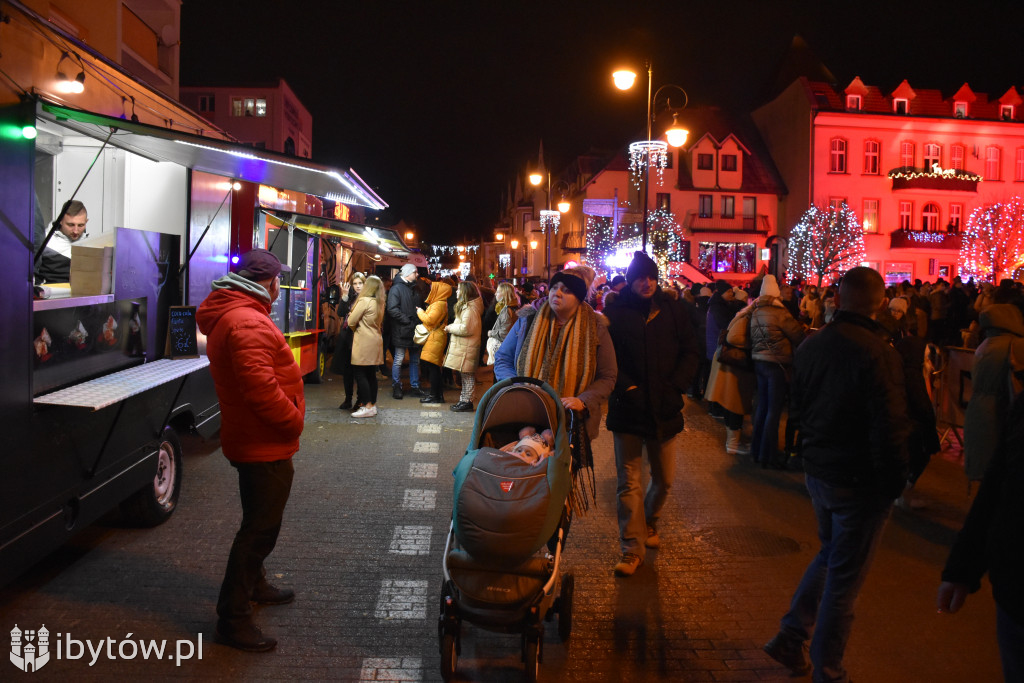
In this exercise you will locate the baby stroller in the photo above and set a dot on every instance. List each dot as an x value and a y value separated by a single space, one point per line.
509 524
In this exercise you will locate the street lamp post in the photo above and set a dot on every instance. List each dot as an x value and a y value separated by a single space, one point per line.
548 216
676 135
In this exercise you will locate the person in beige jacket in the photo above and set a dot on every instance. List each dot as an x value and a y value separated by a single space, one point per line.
464 346
432 355
365 320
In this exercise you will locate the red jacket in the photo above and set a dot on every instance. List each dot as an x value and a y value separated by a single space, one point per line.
257 379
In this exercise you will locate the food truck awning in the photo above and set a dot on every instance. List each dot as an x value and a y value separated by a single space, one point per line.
387 241
217 156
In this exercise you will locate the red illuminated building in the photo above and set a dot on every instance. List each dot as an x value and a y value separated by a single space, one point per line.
911 163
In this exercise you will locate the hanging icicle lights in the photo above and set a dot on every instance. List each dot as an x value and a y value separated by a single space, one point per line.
992 245
549 220
825 244
648 153
449 249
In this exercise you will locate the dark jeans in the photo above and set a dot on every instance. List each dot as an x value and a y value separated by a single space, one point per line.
771 393
264 488
434 376
1010 635
366 381
850 524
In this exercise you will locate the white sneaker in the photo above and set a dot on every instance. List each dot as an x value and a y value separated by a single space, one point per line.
365 412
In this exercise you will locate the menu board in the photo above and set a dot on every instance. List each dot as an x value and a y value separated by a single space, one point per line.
181 332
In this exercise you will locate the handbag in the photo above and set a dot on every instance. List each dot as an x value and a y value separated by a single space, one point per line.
735 356
420 334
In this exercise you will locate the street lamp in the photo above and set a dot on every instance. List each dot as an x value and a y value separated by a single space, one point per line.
646 149
549 219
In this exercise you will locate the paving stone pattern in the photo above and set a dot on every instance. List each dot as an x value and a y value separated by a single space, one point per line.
362 542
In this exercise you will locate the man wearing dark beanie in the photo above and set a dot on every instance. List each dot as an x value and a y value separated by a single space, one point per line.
656 352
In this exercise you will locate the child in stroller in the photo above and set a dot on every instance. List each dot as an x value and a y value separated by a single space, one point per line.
531 447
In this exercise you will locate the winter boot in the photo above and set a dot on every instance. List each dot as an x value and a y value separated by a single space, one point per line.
733 446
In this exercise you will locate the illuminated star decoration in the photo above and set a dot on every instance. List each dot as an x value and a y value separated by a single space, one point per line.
826 242
992 245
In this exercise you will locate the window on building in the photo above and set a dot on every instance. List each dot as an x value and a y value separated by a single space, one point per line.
727 257
906 215
706 162
250 106
207 103
899 105
1018 165
261 107
1006 112
956 157
871 160
728 162
837 159
728 206
992 163
960 110
930 217
836 202
853 102
664 201
956 217
236 106
669 158
870 220
704 206
907 154
932 155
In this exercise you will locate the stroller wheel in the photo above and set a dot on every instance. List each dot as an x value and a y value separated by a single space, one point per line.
531 657
565 607
449 656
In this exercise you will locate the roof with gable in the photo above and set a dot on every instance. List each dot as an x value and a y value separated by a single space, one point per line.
926 102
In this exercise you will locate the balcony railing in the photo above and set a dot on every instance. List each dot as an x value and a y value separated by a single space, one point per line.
909 178
919 239
756 224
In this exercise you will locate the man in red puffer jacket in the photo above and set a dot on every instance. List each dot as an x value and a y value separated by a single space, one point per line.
262 414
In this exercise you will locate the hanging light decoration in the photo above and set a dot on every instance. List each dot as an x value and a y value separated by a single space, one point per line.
992 245
549 220
644 154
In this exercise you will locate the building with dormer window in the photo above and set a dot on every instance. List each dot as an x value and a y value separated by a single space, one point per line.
912 163
722 189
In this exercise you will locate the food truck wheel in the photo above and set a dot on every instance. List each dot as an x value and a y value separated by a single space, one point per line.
316 375
155 502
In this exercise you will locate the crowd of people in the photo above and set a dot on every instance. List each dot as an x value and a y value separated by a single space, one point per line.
844 366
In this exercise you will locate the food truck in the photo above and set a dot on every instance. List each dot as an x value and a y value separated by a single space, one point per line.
98 382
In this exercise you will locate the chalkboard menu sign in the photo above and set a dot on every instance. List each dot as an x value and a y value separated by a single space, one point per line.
181 332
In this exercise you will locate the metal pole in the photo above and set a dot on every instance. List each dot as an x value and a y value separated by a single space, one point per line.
647 155
547 232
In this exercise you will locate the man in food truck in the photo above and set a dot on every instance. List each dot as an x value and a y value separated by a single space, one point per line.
55 263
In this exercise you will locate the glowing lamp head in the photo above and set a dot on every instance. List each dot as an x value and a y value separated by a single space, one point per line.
536 178
676 134
515 244
533 244
499 237
409 235
564 205
624 79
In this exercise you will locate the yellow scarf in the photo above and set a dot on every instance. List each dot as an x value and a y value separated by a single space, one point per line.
563 356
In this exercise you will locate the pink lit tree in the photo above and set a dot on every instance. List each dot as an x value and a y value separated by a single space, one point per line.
826 243
992 244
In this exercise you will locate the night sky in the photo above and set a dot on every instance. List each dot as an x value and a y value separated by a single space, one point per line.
440 105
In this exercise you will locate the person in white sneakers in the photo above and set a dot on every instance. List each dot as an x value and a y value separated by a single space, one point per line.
366 319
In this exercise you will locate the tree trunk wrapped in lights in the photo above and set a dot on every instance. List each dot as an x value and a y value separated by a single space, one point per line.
826 242
992 244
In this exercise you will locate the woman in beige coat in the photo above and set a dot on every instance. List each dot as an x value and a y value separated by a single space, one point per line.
432 355
464 346
366 319
732 387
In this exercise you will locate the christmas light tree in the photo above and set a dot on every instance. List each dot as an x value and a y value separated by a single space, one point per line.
826 242
992 245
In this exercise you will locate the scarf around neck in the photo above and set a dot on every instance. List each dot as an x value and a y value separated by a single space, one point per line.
563 356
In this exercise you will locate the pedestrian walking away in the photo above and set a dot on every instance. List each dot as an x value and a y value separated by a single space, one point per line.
262 415
656 354
848 395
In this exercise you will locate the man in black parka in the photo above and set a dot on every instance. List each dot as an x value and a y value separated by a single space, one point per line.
657 354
